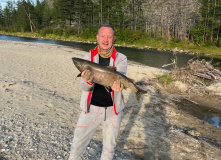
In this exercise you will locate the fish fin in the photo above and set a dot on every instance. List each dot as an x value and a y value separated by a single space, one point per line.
132 80
139 92
112 68
108 88
79 75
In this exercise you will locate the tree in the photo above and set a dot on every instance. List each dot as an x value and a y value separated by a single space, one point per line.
39 14
1 17
8 21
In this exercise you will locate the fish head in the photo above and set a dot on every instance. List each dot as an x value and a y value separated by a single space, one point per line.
79 63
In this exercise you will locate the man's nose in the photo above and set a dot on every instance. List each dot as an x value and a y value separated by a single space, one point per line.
106 38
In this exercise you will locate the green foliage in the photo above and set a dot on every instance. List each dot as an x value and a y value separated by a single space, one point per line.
197 34
123 35
45 31
89 33
165 79
208 25
138 35
58 32
131 19
159 38
126 35
176 40
219 43
68 32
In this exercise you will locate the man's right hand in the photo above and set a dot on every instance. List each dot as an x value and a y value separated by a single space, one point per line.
87 77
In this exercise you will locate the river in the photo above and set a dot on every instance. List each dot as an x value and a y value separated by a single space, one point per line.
151 58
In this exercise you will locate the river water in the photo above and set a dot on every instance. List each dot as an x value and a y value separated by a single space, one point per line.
151 58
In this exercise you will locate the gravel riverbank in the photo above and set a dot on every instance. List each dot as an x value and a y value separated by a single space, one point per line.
40 95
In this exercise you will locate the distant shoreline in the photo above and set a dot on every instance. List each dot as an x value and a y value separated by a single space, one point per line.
173 50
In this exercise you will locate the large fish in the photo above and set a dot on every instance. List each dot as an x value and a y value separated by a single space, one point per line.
107 75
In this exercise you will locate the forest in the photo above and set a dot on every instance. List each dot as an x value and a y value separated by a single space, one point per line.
191 21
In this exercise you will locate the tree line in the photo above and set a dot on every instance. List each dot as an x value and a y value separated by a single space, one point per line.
197 21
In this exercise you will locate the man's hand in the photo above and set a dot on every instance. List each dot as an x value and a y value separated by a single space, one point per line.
87 77
117 86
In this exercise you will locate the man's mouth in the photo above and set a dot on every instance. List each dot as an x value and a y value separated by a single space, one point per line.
105 44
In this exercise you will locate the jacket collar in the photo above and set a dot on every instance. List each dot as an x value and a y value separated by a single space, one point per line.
95 51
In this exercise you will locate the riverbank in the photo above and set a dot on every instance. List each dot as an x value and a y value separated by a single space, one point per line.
160 45
40 95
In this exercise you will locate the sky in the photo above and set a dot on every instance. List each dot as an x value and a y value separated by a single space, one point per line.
4 2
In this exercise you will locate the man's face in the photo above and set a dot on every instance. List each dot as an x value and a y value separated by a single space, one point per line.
105 38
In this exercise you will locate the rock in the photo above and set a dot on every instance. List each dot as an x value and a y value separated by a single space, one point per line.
175 50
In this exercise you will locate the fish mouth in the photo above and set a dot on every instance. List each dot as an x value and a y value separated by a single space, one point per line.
78 62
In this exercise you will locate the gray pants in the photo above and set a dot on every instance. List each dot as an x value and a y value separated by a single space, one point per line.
87 125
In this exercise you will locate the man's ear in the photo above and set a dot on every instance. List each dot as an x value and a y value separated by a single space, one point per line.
114 38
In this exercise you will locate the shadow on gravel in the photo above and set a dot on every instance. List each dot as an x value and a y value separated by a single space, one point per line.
150 139
2 158
2 155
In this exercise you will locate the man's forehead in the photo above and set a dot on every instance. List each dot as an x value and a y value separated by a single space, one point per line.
106 29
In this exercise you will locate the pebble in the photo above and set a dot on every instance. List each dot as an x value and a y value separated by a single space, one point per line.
39 139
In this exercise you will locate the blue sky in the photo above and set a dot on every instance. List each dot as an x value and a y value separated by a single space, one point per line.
4 2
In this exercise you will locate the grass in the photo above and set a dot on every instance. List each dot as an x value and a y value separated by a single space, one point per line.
165 79
148 43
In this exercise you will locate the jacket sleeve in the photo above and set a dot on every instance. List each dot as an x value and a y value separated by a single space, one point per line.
84 85
121 64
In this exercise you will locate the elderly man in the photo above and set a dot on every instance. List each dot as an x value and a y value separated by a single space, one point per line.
99 105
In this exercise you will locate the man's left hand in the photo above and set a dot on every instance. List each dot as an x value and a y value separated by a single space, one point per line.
117 86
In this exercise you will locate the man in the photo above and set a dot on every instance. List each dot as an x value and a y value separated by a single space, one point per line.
100 105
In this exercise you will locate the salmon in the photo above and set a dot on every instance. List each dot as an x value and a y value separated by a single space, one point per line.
106 75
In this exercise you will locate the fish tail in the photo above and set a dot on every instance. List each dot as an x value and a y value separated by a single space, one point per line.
139 93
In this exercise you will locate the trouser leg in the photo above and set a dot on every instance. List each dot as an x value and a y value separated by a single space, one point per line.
111 129
84 131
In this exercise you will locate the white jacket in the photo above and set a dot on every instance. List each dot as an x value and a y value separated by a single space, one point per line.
117 60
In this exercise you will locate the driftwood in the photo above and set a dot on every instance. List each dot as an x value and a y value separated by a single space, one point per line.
197 71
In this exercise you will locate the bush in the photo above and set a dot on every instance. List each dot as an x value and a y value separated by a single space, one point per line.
176 40
1 28
165 79
138 35
58 32
219 43
124 35
197 33
159 38
68 32
47 30
89 32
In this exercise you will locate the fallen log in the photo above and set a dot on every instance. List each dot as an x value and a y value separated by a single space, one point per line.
203 76
212 75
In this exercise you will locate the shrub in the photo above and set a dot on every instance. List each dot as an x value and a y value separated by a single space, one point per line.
159 38
124 35
57 32
68 32
89 32
219 43
165 79
47 30
138 35
176 40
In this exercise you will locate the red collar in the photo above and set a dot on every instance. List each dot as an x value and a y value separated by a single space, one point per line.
95 51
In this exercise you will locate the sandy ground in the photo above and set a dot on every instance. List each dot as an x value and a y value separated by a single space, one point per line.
39 105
